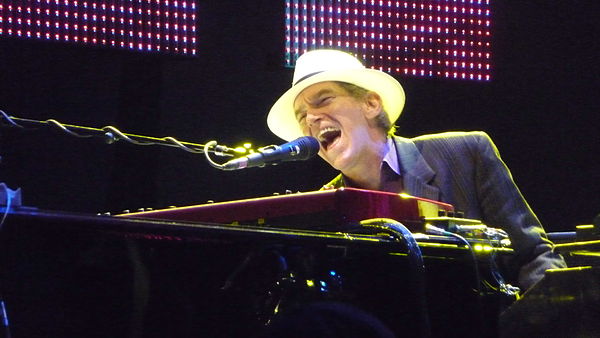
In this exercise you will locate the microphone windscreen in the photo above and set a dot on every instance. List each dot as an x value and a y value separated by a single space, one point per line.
309 147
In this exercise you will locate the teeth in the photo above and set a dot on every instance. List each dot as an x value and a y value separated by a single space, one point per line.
322 132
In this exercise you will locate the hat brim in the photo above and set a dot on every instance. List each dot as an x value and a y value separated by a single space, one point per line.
281 119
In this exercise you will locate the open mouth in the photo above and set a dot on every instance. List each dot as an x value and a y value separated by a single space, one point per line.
328 136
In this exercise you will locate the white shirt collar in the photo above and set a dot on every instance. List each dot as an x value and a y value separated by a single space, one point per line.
391 158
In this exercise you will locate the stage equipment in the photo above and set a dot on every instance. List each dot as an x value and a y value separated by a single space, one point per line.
563 304
300 149
73 275
413 38
336 209
145 26
111 134
9 197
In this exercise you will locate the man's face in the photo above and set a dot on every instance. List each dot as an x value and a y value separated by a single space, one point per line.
344 125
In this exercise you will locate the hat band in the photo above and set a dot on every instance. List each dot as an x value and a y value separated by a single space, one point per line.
306 77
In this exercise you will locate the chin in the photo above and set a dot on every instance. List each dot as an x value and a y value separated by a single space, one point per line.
339 163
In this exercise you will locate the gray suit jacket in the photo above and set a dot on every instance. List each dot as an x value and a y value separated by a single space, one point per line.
465 170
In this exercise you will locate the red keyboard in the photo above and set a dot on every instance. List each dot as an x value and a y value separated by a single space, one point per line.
326 210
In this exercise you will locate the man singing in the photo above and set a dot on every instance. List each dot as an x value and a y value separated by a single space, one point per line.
351 110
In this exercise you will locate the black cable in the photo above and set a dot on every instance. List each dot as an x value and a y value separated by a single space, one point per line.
475 262
400 232
9 120
7 207
111 134
4 323
503 287
64 129
440 231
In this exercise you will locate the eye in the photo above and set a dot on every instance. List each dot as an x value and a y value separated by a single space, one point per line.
300 117
325 100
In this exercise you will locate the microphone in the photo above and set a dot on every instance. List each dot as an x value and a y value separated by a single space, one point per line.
299 149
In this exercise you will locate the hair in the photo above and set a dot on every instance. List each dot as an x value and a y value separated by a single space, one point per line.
360 93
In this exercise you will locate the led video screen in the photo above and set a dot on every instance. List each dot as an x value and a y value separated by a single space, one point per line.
436 39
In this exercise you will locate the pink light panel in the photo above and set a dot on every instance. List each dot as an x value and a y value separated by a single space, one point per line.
428 38
145 25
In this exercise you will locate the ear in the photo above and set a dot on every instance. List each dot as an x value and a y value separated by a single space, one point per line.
373 105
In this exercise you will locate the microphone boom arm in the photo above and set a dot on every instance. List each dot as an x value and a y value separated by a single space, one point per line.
300 149
111 134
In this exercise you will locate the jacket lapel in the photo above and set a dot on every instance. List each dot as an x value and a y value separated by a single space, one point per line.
417 174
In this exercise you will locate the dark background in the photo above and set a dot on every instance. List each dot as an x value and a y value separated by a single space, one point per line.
540 108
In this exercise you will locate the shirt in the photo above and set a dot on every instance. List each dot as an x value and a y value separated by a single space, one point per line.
391 177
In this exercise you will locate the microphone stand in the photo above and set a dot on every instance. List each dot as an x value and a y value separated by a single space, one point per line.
111 134
6 203
4 326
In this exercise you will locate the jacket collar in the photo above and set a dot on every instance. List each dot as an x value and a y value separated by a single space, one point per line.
417 174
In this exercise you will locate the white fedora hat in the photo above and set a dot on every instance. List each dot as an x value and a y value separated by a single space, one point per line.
332 65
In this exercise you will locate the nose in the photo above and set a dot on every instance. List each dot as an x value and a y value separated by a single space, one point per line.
312 117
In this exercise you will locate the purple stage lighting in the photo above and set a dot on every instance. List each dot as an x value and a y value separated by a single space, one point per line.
144 25
435 39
